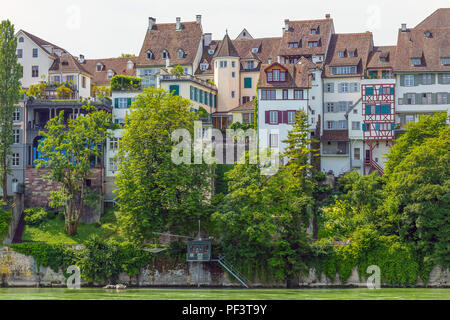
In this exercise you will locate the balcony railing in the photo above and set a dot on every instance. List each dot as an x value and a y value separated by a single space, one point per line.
188 77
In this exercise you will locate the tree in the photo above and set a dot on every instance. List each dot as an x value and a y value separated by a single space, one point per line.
417 192
153 192
177 71
64 92
101 92
127 55
37 90
10 73
67 151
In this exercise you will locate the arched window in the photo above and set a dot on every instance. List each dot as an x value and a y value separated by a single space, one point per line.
130 65
110 74
99 67
180 53
165 54
21 39
149 54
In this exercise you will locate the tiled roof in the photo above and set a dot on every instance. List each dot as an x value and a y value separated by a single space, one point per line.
67 63
335 135
226 48
438 19
386 52
301 30
361 42
166 37
248 106
297 76
41 43
414 43
117 65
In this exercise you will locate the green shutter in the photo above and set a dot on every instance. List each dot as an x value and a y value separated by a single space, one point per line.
377 109
215 101
175 89
392 90
190 92
368 109
440 78
402 80
418 98
129 102
433 78
434 98
116 103
210 99
248 83
195 94
417 79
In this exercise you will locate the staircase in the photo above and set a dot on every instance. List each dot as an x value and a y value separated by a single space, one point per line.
376 166
234 272
19 230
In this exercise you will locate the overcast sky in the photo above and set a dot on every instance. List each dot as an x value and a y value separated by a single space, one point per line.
107 28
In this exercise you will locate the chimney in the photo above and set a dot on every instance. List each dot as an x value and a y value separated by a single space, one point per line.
151 23
403 27
207 38
82 59
327 16
198 18
178 23
286 25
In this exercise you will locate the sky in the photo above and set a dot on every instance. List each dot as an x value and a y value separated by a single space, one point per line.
108 28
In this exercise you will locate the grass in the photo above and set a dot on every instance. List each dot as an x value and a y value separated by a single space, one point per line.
53 231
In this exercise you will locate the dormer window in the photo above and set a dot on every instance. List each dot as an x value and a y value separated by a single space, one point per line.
352 53
110 74
165 54
99 67
255 50
276 76
445 61
416 61
250 65
149 54
341 54
428 34
211 51
312 44
293 44
130 65
180 53
65 63
21 39
204 66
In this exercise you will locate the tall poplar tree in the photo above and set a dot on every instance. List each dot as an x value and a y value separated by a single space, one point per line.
10 73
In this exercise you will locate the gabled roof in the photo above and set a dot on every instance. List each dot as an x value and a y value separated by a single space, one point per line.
386 52
248 106
301 31
41 43
297 76
117 65
361 42
413 43
438 19
244 35
226 48
165 37
67 63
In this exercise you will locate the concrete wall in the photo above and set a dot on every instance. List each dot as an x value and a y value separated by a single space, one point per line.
17 270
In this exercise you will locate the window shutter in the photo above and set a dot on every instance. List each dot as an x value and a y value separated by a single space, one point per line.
392 126
332 87
129 102
339 87
434 98
402 81
418 98
267 117
433 78
116 103
280 117
440 78
417 79
368 109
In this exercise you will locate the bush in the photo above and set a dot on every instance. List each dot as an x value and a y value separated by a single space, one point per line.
120 82
35 216
5 218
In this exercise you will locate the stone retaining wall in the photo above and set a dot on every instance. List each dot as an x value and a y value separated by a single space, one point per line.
17 270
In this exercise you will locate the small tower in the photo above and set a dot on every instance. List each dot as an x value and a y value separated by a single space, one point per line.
226 75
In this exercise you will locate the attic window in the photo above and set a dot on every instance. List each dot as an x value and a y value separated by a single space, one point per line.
255 50
99 67
204 66
130 65
314 31
445 61
352 53
211 51
428 34
416 61
21 39
313 43
110 74
341 54
149 54
293 44
65 63
165 54
276 76
180 53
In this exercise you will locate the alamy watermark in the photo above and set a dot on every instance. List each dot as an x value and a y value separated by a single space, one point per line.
374 281
74 280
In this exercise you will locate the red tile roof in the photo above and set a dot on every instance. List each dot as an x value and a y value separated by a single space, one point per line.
117 65
387 52
438 19
67 63
297 76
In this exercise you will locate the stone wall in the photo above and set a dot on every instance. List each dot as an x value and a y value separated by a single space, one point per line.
17 270
37 191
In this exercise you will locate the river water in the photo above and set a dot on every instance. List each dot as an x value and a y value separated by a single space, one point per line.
222 294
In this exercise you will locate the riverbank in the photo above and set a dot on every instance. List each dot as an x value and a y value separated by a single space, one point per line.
223 294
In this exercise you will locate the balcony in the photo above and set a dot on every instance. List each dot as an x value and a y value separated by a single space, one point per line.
188 77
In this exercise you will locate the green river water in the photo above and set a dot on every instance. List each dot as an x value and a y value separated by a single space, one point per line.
223 294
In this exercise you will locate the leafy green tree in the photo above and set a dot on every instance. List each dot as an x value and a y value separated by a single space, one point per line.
177 71
10 74
67 150
154 193
417 192
127 55
37 90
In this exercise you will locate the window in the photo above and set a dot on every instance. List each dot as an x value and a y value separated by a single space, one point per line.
352 53
291 117
114 144
293 44
211 51
233 64
357 154
110 74
341 54
344 86
112 164
35 53
99 67
274 117
16 136
83 82
343 70
180 54
330 125
426 98
330 87
250 65
15 159
416 61
342 124
233 94
446 78
285 94
409 80
445 61
149 55
330 107
342 106
16 114
255 50
313 43
268 95
298 94
282 76
427 78
223 64
248 117
276 75
203 67
35 71
354 87
19 53
165 54
248 83
356 125
293 60
273 140
355 111
21 39
410 98
442 98
313 31
233 74
123 103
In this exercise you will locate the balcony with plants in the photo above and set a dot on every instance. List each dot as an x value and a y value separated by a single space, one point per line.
126 83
